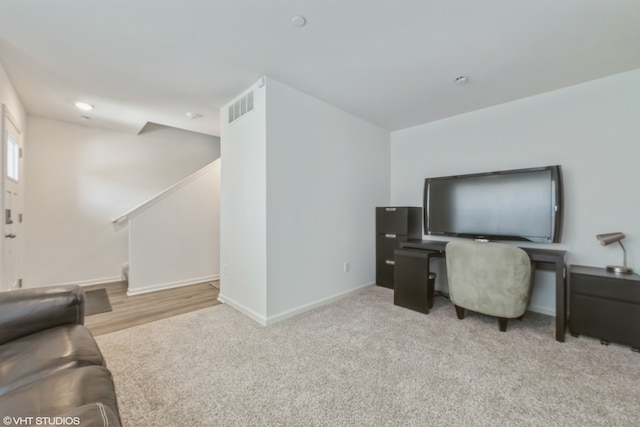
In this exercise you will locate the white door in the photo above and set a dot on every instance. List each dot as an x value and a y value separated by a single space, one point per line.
12 235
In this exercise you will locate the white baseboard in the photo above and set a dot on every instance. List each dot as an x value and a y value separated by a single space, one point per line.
266 321
89 282
542 310
319 303
170 285
13 287
242 309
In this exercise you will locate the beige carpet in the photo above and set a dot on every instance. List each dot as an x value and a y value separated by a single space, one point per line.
362 361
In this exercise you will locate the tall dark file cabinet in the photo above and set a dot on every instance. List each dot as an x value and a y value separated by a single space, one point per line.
393 226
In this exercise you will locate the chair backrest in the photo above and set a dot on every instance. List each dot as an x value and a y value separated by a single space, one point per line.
490 278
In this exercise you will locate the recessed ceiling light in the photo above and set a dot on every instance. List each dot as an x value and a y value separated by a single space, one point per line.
84 106
193 115
460 80
299 21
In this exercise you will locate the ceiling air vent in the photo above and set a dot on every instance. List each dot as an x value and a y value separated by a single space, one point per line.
241 107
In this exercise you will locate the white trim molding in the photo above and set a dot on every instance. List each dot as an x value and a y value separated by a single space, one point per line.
270 320
170 285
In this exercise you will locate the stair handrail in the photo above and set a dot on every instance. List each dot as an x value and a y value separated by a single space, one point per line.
161 195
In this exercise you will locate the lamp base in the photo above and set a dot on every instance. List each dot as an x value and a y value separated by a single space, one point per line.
619 270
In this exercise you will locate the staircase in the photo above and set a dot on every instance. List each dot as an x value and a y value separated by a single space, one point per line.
125 272
174 236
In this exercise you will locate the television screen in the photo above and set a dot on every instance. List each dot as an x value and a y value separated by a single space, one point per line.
522 204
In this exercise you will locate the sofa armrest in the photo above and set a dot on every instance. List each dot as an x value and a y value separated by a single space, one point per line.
27 311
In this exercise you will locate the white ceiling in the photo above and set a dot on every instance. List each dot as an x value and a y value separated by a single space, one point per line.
389 62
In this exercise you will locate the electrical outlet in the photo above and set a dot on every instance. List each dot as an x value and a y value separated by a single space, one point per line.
347 266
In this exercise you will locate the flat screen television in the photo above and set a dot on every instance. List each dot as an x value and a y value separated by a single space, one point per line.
520 204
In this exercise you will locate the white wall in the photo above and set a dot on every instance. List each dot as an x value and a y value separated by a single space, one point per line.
591 129
175 241
300 183
79 178
243 226
9 98
326 172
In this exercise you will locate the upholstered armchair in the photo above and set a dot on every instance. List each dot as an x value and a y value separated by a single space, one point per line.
489 278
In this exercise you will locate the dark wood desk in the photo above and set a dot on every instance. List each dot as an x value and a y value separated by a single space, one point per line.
544 259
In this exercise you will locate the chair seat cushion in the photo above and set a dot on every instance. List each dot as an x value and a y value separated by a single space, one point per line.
60 393
35 356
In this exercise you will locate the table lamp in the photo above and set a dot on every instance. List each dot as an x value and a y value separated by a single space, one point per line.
607 239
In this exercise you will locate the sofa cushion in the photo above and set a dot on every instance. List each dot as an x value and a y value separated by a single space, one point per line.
60 393
32 357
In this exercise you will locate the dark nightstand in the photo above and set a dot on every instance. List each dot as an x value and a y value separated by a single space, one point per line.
605 305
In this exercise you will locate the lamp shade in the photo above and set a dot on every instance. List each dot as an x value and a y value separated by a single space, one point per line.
608 238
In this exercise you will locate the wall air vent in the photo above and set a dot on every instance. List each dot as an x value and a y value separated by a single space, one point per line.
241 107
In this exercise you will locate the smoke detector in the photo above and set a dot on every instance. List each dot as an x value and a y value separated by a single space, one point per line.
299 21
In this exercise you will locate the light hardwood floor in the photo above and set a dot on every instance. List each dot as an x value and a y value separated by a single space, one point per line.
135 310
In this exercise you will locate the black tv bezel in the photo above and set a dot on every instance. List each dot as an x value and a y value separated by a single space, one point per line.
558 214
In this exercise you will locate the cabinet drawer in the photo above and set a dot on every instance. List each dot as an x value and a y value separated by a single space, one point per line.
384 272
604 287
392 220
387 243
605 319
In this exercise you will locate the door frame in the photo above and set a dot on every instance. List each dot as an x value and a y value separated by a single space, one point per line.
6 122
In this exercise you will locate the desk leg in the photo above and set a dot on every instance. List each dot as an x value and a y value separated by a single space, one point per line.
561 302
412 288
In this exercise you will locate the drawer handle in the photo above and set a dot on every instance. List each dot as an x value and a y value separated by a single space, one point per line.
389 262
390 209
390 236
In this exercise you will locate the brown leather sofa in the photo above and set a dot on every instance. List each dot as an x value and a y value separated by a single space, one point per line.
51 369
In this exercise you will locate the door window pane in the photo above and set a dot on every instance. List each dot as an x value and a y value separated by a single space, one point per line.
13 159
